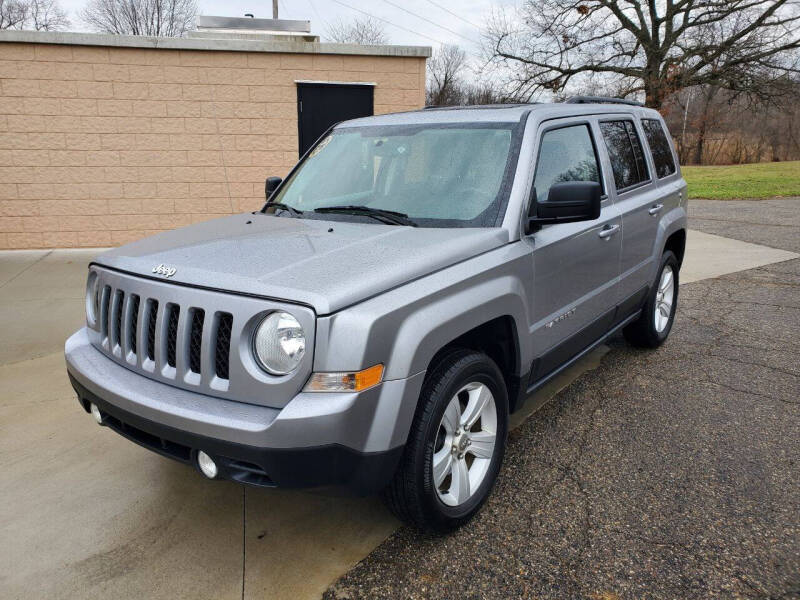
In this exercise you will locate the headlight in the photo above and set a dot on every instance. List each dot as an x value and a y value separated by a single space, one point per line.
279 343
92 297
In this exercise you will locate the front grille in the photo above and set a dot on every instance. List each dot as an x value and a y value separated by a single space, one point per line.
223 347
118 320
190 338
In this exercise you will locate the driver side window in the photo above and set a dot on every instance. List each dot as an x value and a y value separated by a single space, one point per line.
565 154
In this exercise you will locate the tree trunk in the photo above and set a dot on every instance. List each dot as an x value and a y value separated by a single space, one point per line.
654 93
702 127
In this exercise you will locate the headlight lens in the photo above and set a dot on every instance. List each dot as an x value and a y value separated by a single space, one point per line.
92 297
279 343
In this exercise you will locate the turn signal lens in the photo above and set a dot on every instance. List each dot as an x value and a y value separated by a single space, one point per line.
345 382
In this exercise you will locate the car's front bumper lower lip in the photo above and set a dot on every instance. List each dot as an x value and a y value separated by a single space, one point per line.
316 440
321 466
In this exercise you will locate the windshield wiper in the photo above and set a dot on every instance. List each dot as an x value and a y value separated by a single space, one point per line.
290 209
386 216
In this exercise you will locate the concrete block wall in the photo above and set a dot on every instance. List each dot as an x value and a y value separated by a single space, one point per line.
103 145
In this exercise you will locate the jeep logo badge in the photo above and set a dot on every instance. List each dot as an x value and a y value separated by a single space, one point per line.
164 270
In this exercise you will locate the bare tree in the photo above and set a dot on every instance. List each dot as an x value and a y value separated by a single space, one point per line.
650 47
445 70
13 14
47 15
163 18
718 126
41 15
365 31
483 93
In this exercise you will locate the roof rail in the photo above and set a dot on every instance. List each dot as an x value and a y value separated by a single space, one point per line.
477 106
601 100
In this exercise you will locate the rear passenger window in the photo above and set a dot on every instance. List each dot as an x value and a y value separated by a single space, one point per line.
659 147
625 152
565 154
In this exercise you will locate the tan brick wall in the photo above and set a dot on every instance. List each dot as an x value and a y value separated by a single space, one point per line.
100 146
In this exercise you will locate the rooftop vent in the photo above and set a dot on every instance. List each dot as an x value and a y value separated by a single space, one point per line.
248 28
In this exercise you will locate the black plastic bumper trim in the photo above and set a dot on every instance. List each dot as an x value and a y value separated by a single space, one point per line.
334 465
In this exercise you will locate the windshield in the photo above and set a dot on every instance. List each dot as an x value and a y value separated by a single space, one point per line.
438 176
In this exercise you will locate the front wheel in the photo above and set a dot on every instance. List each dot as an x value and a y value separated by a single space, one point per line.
653 326
455 446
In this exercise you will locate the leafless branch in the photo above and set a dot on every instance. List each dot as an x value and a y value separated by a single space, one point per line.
41 15
163 18
654 46
363 31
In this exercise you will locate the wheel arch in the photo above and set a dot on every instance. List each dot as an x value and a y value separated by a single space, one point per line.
676 243
671 236
499 340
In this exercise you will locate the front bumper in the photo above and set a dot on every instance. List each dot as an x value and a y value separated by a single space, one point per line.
316 440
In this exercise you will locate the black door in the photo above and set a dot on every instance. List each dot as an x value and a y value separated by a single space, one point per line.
320 105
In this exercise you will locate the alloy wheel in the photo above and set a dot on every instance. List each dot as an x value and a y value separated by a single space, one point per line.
465 444
665 295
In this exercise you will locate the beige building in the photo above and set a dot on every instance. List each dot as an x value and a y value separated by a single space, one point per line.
106 139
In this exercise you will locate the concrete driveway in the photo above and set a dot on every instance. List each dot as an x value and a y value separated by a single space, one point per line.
86 514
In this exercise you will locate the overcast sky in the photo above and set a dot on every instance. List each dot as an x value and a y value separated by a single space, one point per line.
430 23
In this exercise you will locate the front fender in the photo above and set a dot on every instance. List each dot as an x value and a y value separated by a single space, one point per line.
405 327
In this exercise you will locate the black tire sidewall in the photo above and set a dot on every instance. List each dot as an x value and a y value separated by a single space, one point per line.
479 369
668 259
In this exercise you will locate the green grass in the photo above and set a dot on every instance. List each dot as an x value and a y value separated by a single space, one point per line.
759 180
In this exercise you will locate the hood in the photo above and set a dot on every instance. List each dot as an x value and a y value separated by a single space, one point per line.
325 264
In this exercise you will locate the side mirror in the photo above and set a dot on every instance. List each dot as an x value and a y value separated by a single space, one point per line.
271 185
567 202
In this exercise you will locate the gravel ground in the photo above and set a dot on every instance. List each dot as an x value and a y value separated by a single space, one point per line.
664 474
772 222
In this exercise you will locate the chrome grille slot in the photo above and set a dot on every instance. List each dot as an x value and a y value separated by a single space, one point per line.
223 345
116 318
152 315
196 339
133 323
173 314
104 302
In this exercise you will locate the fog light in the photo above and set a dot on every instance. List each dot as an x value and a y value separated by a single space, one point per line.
207 465
96 413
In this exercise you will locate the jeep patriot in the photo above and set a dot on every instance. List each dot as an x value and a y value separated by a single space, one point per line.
401 292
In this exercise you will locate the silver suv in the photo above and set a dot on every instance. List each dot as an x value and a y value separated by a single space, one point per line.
402 291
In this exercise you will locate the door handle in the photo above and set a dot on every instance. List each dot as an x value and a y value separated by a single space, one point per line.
607 231
655 209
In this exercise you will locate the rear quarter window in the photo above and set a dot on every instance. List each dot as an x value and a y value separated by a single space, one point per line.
659 147
625 152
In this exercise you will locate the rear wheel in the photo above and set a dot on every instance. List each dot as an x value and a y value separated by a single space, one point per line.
456 444
653 326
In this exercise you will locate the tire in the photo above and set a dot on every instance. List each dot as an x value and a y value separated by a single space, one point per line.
413 496
650 330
